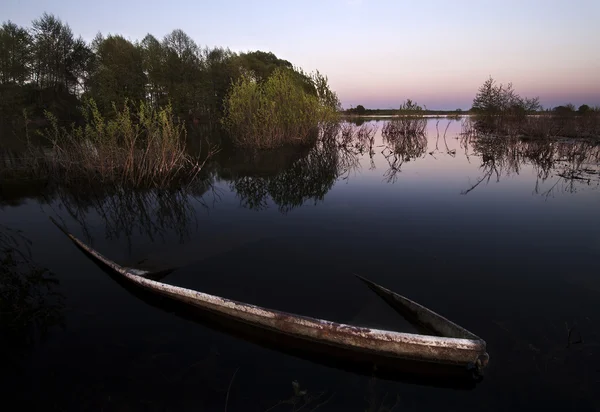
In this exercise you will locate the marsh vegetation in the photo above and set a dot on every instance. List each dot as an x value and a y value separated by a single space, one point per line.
499 110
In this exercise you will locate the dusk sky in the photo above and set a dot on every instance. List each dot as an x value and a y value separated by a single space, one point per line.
377 53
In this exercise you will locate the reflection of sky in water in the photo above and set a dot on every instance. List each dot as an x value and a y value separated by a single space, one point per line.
500 258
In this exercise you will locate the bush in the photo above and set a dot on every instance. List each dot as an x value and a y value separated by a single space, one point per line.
278 111
410 121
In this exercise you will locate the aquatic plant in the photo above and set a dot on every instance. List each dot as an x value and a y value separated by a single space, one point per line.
409 121
500 110
139 146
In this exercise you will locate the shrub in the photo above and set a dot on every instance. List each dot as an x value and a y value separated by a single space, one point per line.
410 121
278 111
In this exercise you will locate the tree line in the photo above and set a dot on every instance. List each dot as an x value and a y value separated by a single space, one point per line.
47 68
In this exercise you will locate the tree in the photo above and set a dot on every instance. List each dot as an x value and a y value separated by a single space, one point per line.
496 99
222 67
118 72
153 57
487 100
79 65
263 64
565 110
181 74
360 109
583 109
15 54
54 43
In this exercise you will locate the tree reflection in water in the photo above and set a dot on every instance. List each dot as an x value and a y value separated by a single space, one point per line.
30 305
335 155
402 144
152 213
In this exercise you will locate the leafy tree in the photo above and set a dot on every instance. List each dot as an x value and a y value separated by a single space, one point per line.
79 65
262 64
327 97
181 74
153 56
118 72
360 109
583 109
54 44
15 54
566 110
222 68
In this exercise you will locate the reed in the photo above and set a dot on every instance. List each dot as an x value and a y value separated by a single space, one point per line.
139 146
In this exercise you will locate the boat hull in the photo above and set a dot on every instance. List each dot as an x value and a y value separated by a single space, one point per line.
467 352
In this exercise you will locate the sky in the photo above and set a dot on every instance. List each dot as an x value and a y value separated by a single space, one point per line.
377 52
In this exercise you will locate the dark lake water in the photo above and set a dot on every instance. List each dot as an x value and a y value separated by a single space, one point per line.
513 258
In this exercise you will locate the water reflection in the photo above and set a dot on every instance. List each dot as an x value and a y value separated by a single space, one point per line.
157 359
30 305
291 177
151 213
571 164
405 140
311 175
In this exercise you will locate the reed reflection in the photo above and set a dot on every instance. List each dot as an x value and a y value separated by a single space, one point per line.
571 164
30 303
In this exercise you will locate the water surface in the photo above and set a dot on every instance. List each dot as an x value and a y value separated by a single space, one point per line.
504 241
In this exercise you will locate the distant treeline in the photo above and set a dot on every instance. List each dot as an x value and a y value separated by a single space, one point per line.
47 68
362 111
501 111
479 106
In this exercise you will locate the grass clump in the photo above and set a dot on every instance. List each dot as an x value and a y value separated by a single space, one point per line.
138 146
279 111
408 122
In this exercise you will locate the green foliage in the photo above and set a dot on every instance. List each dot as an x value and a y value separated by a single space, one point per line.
53 52
117 73
48 69
137 146
276 112
15 54
262 64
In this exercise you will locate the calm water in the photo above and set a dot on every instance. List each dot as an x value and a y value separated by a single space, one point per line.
513 259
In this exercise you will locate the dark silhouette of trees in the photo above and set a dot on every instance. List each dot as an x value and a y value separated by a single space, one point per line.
15 54
117 72
47 68
583 109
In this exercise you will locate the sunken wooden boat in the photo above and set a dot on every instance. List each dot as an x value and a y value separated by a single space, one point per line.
448 343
